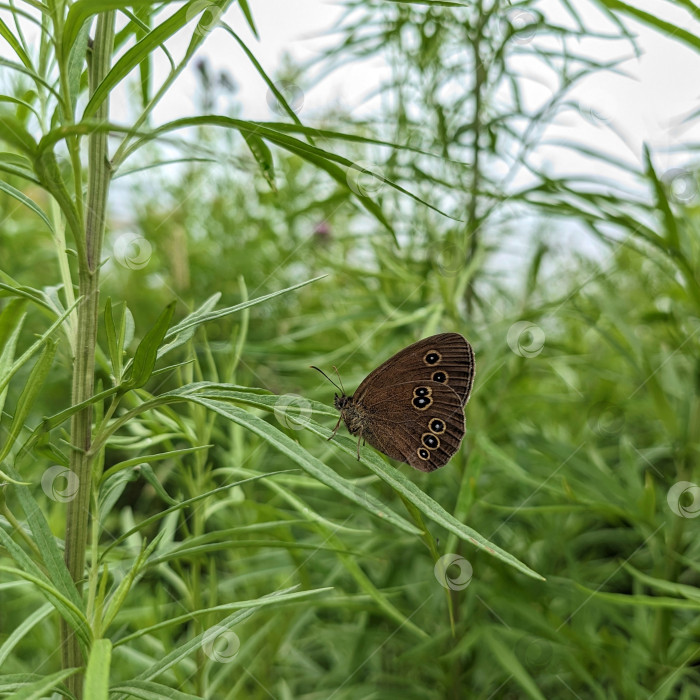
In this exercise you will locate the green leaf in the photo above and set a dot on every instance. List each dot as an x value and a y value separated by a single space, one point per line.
150 476
28 396
503 654
38 689
134 56
13 131
49 174
11 320
126 584
96 685
670 225
7 374
163 513
147 459
286 595
263 156
22 629
147 351
150 690
9 36
81 11
203 315
68 611
112 344
183 651
21 197
45 542
77 61
243 4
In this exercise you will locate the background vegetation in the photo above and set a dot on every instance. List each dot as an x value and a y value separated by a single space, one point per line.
230 550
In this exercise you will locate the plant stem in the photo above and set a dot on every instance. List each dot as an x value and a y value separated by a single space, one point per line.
480 78
99 175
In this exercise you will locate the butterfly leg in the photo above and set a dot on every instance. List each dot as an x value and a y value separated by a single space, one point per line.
335 430
359 439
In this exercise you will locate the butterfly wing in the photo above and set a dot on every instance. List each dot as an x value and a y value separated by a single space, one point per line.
425 435
446 358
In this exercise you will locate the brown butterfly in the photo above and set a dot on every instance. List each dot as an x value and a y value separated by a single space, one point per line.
411 407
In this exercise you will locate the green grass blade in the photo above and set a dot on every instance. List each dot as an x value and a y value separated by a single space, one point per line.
96 685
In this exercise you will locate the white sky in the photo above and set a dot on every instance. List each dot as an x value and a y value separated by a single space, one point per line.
626 111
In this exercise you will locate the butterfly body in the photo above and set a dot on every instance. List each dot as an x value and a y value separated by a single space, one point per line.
412 406
353 414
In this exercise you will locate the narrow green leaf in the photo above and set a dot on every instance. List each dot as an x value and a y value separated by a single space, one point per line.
664 206
245 7
147 351
96 685
31 73
150 476
671 30
183 331
13 131
45 541
150 690
9 36
69 612
29 394
77 61
49 174
81 11
147 459
37 690
21 361
22 629
503 654
190 501
141 50
126 584
11 320
112 345
203 315
263 156
284 596
21 197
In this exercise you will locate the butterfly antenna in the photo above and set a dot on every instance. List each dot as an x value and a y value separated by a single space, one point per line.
342 388
328 378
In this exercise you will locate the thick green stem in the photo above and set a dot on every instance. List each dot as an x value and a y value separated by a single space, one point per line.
99 174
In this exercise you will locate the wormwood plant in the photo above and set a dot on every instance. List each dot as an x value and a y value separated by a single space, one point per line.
84 52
